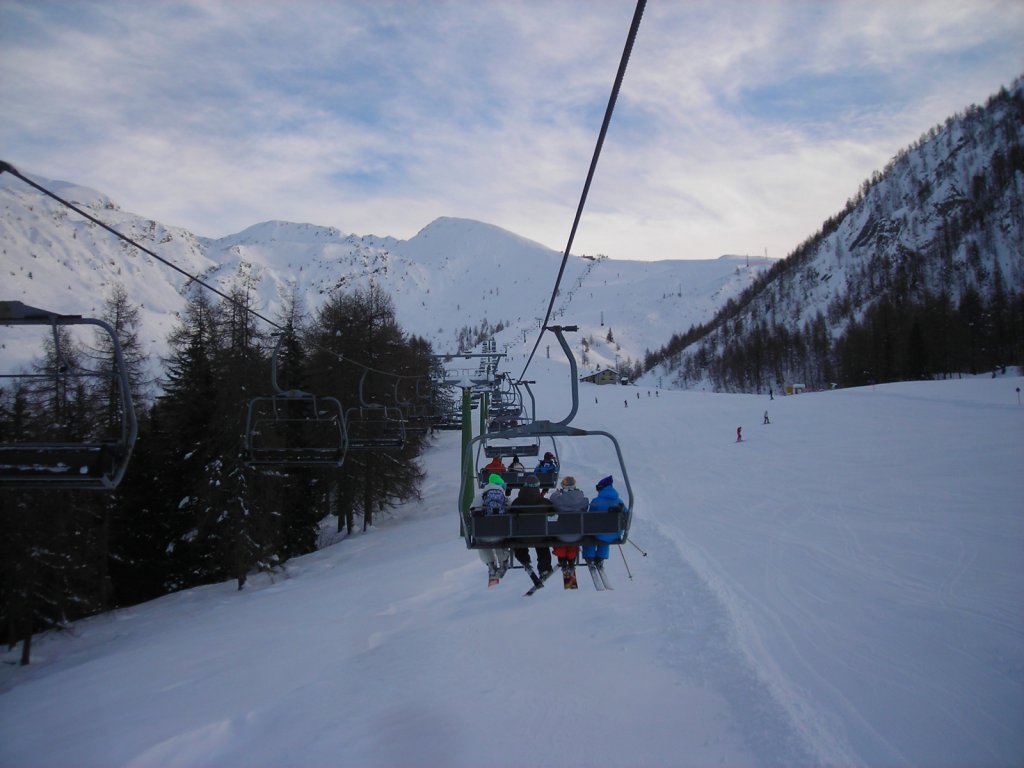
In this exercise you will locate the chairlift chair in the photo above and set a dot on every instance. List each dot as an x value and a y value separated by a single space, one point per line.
527 527
294 428
374 425
52 460
417 413
503 441
517 479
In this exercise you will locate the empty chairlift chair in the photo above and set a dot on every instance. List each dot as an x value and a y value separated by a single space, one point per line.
53 434
294 428
374 425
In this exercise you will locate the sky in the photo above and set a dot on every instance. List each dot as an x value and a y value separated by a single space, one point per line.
842 588
740 126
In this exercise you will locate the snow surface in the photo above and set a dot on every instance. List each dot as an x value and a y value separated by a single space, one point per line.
844 587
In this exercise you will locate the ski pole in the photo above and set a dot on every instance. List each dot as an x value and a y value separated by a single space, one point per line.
637 548
628 572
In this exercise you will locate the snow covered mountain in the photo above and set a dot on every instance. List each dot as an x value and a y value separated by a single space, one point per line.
941 225
456 279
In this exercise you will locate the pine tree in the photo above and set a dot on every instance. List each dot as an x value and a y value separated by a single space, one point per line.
187 413
361 327
107 511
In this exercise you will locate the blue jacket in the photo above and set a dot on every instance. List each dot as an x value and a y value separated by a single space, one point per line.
607 498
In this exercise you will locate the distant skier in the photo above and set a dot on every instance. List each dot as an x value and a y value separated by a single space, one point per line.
739 434
766 418
771 394
626 403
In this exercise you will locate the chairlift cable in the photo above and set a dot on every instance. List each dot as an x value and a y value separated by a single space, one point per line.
630 39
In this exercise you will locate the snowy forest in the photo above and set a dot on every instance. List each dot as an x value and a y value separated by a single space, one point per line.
920 276
191 510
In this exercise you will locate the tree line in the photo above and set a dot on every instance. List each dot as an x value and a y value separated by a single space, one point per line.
190 510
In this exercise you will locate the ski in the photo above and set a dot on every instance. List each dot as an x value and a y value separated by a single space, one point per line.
604 577
569 578
494 576
598 581
538 581
601 581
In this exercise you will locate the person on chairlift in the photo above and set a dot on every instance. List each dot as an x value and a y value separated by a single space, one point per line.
530 500
493 502
547 465
496 466
607 499
568 498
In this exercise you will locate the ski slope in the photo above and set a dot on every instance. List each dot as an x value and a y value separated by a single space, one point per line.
844 587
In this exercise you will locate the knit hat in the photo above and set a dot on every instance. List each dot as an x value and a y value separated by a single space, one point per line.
568 481
531 481
496 480
604 482
549 455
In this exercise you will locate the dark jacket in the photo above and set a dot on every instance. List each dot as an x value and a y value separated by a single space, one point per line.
533 501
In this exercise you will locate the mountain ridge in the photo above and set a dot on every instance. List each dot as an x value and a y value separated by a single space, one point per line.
454 274
877 291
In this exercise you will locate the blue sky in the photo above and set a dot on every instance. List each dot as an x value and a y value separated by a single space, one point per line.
741 125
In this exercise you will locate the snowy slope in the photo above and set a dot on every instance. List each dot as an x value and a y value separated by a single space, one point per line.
844 587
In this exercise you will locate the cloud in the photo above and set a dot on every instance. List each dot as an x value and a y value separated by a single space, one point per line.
740 126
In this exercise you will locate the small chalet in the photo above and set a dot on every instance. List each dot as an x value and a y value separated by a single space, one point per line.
603 376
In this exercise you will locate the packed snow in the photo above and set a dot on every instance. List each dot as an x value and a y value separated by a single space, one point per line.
843 587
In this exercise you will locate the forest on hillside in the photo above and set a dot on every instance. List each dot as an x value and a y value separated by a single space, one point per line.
193 508
909 281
